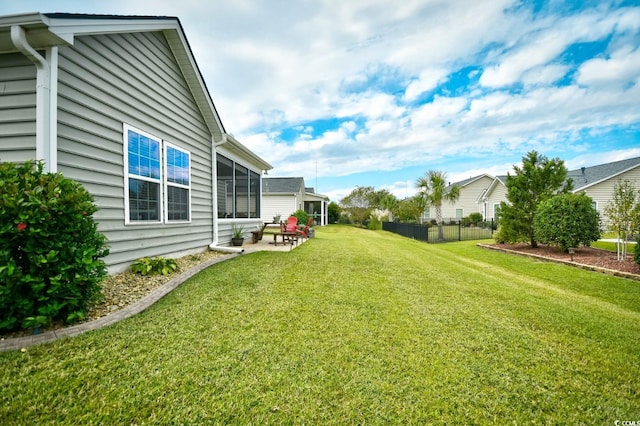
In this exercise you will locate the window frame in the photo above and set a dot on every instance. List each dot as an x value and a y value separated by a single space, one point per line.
128 176
251 174
167 184
162 181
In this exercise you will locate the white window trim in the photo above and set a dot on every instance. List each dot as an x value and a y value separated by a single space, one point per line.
127 175
164 214
177 185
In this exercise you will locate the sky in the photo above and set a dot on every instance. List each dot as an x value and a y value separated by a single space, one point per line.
350 93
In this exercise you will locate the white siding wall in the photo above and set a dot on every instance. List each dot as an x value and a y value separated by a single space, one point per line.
282 205
602 193
468 200
108 80
498 194
17 108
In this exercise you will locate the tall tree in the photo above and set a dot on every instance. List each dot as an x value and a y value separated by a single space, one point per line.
358 203
433 190
333 212
624 214
364 199
409 210
536 181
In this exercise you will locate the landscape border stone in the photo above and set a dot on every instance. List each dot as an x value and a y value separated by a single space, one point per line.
16 343
607 271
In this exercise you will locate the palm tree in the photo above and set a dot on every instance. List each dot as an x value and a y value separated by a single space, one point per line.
433 190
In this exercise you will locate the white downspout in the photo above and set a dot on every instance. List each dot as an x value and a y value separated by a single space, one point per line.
52 58
46 147
214 183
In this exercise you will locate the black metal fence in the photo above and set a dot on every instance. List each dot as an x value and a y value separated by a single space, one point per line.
450 231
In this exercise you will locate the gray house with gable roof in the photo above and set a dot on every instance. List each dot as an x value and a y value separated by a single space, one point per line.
282 196
118 104
598 182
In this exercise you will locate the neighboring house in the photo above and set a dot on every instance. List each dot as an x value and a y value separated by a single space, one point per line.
597 182
118 104
283 196
467 203
490 198
317 205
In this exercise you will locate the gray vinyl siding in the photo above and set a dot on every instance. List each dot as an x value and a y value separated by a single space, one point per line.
602 192
17 108
225 229
106 81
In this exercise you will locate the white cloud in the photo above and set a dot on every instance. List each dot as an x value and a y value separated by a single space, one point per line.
275 65
622 68
590 159
545 41
544 75
428 80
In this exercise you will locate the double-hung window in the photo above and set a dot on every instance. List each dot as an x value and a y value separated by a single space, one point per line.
157 179
177 184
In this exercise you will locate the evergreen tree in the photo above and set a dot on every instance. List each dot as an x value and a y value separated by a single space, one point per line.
536 181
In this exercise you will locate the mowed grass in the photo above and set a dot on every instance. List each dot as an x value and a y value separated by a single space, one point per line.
352 327
611 246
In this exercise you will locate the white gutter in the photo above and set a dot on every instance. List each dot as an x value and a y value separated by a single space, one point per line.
214 179
46 101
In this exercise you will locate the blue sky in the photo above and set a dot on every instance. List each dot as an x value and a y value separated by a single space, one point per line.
376 93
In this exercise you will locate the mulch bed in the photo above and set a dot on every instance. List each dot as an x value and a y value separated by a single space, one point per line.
584 255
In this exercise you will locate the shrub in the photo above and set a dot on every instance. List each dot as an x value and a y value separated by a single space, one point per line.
567 220
302 216
345 219
154 266
475 218
374 223
636 251
50 248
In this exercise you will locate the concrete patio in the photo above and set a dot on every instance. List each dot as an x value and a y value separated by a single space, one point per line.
267 244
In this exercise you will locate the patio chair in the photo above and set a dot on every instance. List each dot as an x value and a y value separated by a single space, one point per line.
292 224
288 231
304 232
291 233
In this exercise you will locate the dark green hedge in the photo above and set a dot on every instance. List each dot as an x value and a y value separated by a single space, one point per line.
50 248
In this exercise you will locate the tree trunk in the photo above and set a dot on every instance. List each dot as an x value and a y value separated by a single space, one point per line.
439 220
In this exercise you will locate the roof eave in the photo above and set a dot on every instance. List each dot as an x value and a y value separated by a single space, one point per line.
57 29
234 145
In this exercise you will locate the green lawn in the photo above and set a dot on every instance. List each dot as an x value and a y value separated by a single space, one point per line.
352 327
610 246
